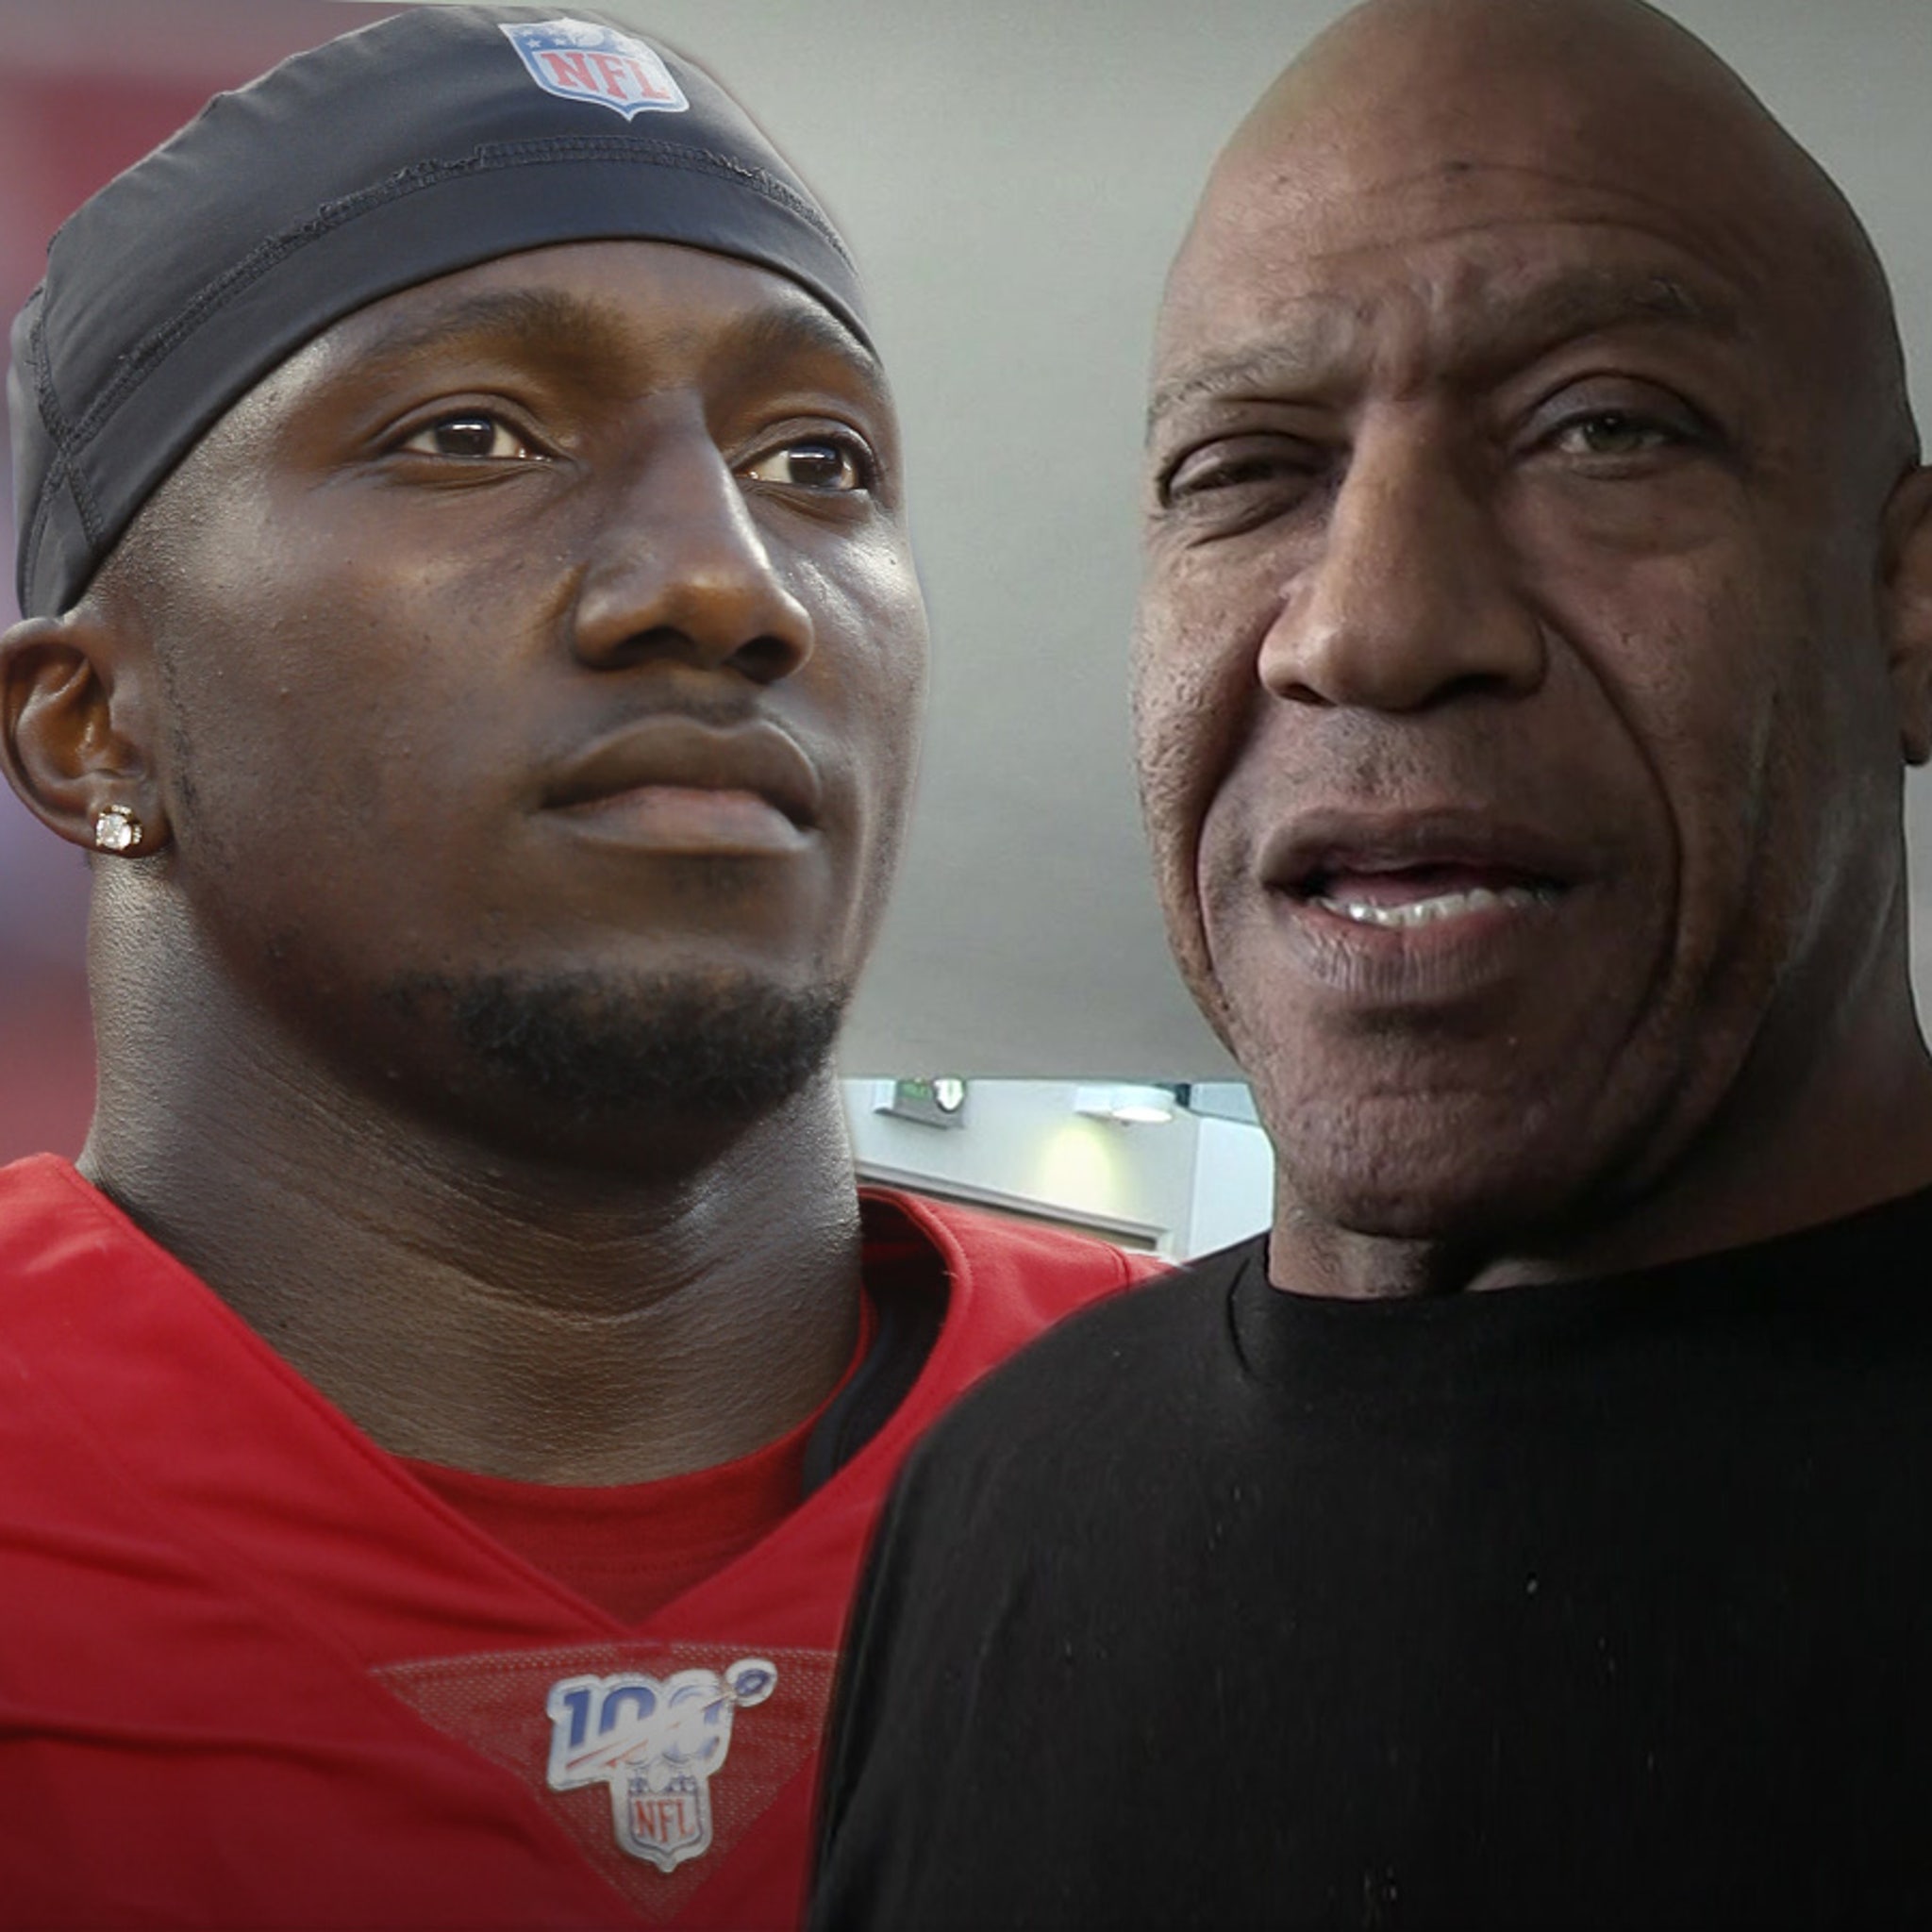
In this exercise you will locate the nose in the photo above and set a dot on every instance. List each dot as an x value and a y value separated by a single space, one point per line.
1408 601
679 568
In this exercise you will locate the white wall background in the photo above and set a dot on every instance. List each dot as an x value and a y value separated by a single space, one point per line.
1186 1186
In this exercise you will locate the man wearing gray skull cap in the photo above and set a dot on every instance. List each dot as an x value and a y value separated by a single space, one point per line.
471 625
1529 1529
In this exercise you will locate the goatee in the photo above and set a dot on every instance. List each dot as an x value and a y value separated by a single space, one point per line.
708 1049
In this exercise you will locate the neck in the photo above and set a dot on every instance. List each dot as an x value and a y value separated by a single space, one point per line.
519 1317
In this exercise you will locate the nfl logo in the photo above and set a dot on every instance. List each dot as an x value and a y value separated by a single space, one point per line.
669 1821
580 61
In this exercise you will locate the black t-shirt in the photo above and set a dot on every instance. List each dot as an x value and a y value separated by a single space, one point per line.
1601 1603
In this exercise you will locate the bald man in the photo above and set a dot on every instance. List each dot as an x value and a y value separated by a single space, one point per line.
1531 1528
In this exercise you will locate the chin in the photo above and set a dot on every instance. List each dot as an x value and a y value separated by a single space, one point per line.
1435 1173
666 1053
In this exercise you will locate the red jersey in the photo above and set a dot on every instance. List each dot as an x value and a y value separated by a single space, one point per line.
253 1674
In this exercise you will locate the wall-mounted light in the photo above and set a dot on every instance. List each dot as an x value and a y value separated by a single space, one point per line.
939 1101
1128 1107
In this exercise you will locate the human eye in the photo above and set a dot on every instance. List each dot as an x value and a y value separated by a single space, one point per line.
1614 433
1235 482
469 435
825 465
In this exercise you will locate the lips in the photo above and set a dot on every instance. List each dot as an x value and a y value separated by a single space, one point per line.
672 753
1402 873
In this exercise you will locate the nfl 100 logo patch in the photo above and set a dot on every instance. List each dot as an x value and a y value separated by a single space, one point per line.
623 1744
579 60
657 1742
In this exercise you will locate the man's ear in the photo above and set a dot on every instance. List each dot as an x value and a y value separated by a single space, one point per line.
78 718
1906 610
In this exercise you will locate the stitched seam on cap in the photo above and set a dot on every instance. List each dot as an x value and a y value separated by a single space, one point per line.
37 528
29 549
65 438
332 215
59 477
63 471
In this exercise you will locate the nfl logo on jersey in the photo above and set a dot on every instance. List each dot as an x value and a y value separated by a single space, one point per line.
580 62
657 1743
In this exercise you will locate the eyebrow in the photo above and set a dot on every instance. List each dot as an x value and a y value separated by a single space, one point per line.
539 319
811 329
1565 308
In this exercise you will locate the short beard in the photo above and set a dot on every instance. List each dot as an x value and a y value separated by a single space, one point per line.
703 1052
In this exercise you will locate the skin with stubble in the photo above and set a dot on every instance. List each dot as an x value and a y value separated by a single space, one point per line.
1536 625
516 690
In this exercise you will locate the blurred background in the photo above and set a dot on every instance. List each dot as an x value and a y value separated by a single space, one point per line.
1014 174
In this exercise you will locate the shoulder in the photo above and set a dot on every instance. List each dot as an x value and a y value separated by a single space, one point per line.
56 1233
1005 1280
41 1194
1119 1362
1038 1482
994 1244
1166 1308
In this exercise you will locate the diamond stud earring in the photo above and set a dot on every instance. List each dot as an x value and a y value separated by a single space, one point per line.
117 830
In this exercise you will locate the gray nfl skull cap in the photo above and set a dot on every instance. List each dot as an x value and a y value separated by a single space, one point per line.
427 142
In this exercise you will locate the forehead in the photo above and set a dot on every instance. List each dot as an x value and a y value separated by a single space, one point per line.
1468 299
613 311
1474 212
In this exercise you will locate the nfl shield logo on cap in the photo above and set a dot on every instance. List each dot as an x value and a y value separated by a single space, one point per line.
579 60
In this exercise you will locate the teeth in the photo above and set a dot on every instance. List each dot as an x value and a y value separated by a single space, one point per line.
1425 911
